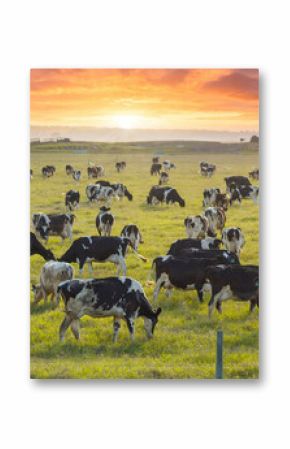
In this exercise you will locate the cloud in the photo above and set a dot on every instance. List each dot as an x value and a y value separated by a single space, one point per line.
240 83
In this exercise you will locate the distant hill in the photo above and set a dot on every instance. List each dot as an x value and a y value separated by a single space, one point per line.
154 147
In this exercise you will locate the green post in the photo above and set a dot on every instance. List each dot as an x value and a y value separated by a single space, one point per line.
219 355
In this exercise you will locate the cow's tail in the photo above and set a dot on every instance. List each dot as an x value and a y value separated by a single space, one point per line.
139 256
151 274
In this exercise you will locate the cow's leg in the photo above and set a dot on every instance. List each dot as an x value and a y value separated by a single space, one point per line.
199 289
75 328
213 300
64 326
158 285
90 267
219 306
130 320
253 303
169 292
122 266
81 267
116 327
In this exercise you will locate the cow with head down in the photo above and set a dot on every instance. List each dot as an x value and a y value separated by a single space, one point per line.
167 195
196 227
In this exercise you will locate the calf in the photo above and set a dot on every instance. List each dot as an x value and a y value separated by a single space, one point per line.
37 248
166 195
207 243
72 200
104 221
120 298
196 227
133 233
233 281
120 166
216 219
52 273
76 174
164 178
209 196
233 239
53 224
69 169
182 273
48 171
235 194
155 169
254 174
99 249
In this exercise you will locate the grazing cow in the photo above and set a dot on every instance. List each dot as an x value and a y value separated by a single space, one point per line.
238 181
37 248
97 193
235 194
72 199
96 172
167 165
155 169
233 281
52 273
233 239
216 219
104 221
53 224
121 191
155 159
221 200
207 169
69 169
207 243
48 171
164 178
196 227
186 273
254 174
166 195
246 191
99 249
133 233
118 297
209 196
120 166
76 174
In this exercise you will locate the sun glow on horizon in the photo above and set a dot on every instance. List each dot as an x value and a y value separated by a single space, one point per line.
127 121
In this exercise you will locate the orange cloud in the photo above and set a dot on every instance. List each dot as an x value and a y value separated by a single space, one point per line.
161 98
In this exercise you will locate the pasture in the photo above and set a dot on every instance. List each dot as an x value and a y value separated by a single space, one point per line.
184 340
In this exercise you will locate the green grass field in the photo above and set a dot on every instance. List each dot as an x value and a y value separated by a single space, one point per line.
184 340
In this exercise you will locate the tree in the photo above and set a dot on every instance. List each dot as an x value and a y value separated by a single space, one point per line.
254 139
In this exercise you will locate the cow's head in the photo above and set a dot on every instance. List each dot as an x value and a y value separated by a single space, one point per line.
150 323
42 225
128 194
38 292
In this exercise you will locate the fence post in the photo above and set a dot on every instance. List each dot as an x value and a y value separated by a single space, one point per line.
219 355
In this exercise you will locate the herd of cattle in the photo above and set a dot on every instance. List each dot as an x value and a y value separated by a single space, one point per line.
196 262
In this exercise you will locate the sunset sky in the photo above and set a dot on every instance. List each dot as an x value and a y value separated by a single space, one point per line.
218 100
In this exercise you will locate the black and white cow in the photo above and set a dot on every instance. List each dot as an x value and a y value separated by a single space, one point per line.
48 171
155 169
216 219
233 239
233 281
196 227
76 174
133 233
167 165
96 172
238 181
221 200
164 178
122 298
69 169
99 249
186 273
121 191
207 169
254 174
166 195
105 221
52 273
53 224
209 196
207 243
72 199
97 193
120 166
37 248
235 194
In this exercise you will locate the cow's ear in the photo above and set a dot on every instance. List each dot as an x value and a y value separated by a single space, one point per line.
158 311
